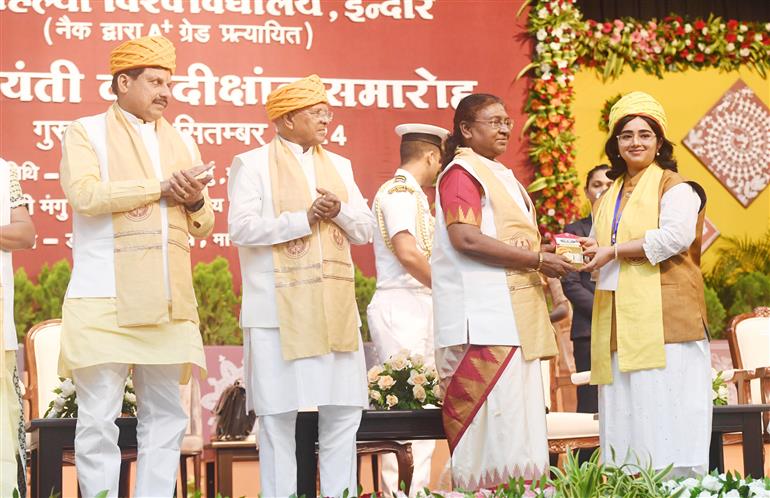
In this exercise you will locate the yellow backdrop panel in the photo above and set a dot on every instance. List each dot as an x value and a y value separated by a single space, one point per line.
686 97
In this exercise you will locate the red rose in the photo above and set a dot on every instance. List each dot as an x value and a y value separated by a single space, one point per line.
732 25
731 37
606 27
679 31
699 57
699 24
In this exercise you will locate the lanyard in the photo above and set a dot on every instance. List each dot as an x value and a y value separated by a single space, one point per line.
616 217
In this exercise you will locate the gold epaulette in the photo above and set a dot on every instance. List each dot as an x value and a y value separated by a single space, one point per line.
425 234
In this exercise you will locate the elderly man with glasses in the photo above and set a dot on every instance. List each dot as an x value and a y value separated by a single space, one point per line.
294 211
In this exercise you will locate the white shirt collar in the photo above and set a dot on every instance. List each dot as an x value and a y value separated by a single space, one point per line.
296 149
135 121
410 179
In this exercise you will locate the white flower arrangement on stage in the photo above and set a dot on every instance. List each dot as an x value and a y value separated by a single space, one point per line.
404 382
65 404
719 388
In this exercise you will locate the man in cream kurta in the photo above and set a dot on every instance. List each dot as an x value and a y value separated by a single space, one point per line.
287 219
131 181
16 232
400 315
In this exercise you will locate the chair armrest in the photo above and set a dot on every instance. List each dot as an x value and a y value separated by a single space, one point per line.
581 378
741 378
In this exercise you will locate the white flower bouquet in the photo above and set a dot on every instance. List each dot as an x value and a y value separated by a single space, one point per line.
404 382
65 404
718 388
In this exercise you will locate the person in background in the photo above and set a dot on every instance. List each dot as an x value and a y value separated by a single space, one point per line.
137 188
579 289
489 309
16 232
295 209
400 315
649 336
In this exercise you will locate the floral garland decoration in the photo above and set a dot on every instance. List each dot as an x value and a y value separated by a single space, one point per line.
564 42
604 119
556 24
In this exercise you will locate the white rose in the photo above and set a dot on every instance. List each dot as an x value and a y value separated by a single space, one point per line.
541 34
690 57
374 373
546 76
767 27
744 52
554 46
708 50
657 49
730 47
711 483
561 80
705 494
743 28
551 212
437 391
431 372
542 13
398 363
540 48
419 393
561 63
385 382
688 28
757 37
67 388
714 395
391 400
58 404
558 32
740 38
416 378
690 483
130 398
688 42
544 67
705 31
375 395
598 33
733 493
417 359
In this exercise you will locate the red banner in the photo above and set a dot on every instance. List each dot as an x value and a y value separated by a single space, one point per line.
383 63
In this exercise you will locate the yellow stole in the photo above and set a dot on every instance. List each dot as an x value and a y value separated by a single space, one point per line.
515 227
314 283
638 306
141 291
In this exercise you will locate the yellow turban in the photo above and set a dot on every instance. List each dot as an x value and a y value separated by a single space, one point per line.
143 52
297 95
638 103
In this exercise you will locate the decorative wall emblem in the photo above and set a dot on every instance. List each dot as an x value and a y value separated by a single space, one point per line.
733 141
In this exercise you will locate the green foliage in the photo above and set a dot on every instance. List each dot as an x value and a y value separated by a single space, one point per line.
750 290
37 302
717 316
737 256
217 303
24 312
52 285
365 287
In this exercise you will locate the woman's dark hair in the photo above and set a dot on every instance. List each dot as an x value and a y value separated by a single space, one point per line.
595 170
466 111
665 158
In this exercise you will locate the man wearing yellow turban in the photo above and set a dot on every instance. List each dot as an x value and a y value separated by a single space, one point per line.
649 351
294 211
16 232
137 190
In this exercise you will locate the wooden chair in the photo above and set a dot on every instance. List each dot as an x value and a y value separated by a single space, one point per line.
749 338
403 453
567 430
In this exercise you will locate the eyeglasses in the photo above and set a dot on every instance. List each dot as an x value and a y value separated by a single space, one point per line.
496 124
628 137
320 114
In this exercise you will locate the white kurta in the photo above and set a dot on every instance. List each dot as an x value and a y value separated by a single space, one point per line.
663 416
273 384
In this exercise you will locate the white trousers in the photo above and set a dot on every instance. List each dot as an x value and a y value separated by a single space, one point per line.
161 424
403 319
337 427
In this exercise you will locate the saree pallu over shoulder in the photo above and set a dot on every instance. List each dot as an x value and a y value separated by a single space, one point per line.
314 282
141 295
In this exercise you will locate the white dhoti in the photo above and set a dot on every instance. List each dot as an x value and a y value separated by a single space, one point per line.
660 417
334 383
161 424
403 319
506 437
